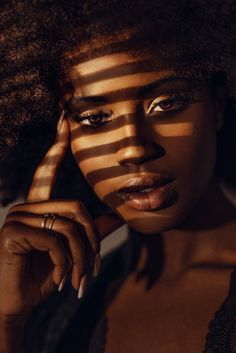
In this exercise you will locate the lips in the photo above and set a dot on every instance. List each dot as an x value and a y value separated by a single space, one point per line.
148 193
140 183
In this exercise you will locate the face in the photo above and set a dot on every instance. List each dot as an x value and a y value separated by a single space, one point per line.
144 138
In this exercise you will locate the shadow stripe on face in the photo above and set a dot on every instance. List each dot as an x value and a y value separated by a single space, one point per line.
114 48
150 90
96 176
95 151
115 72
114 126
111 148
120 121
103 174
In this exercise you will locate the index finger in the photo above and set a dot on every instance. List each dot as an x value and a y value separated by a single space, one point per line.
45 174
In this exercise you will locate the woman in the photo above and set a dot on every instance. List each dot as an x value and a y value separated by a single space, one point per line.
146 104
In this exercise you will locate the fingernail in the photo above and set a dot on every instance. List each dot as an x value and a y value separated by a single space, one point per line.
60 121
62 284
82 286
97 264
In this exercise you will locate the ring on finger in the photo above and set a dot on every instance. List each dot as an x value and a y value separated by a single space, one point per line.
51 217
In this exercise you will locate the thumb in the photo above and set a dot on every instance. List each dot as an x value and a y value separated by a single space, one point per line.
108 223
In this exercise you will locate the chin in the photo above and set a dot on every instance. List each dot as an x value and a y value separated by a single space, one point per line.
150 226
157 221
150 222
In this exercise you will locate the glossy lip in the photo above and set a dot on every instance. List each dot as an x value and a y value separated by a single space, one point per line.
156 199
140 183
160 192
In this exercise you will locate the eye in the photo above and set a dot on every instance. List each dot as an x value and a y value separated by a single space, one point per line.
93 118
169 103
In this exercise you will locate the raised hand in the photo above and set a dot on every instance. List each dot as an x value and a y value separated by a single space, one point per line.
43 241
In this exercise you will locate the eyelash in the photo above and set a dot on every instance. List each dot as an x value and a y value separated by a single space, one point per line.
181 100
93 114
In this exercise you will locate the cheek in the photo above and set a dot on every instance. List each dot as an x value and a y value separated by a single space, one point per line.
93 158
100 173
189 141
191 147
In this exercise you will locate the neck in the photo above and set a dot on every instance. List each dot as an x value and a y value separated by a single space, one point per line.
204 239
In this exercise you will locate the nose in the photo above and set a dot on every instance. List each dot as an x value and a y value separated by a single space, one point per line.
137 145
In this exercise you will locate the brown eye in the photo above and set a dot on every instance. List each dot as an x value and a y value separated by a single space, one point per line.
168 103
93 118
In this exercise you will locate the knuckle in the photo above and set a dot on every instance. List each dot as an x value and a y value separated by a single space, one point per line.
56 241
77 207
77 261
16 208
72 227
11 217
13 209
62 265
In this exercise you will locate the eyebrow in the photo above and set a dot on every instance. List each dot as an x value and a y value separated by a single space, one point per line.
155 84
138 90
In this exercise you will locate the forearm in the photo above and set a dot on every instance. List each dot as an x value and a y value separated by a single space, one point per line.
11 336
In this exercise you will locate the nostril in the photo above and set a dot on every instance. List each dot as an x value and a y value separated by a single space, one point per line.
156 151
139 154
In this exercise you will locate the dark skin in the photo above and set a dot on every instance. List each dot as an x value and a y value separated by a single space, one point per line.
195 234
192 286
150 131
36 260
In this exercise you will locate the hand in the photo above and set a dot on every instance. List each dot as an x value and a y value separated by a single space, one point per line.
35 260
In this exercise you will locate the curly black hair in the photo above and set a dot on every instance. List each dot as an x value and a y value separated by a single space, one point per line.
196 37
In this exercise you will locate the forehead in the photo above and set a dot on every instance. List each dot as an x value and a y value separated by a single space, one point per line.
119 59
102 63
120 70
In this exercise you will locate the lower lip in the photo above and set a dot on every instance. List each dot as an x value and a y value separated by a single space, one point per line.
155 199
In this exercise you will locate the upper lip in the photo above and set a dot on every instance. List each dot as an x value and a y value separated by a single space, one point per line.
142 182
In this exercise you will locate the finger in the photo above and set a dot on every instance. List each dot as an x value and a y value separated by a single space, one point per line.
74 240
26 239
96 230
105 224
71 234
71 209
45 174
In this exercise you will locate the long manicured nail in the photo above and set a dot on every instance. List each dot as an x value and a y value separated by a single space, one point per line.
97 264
62 283
82 287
